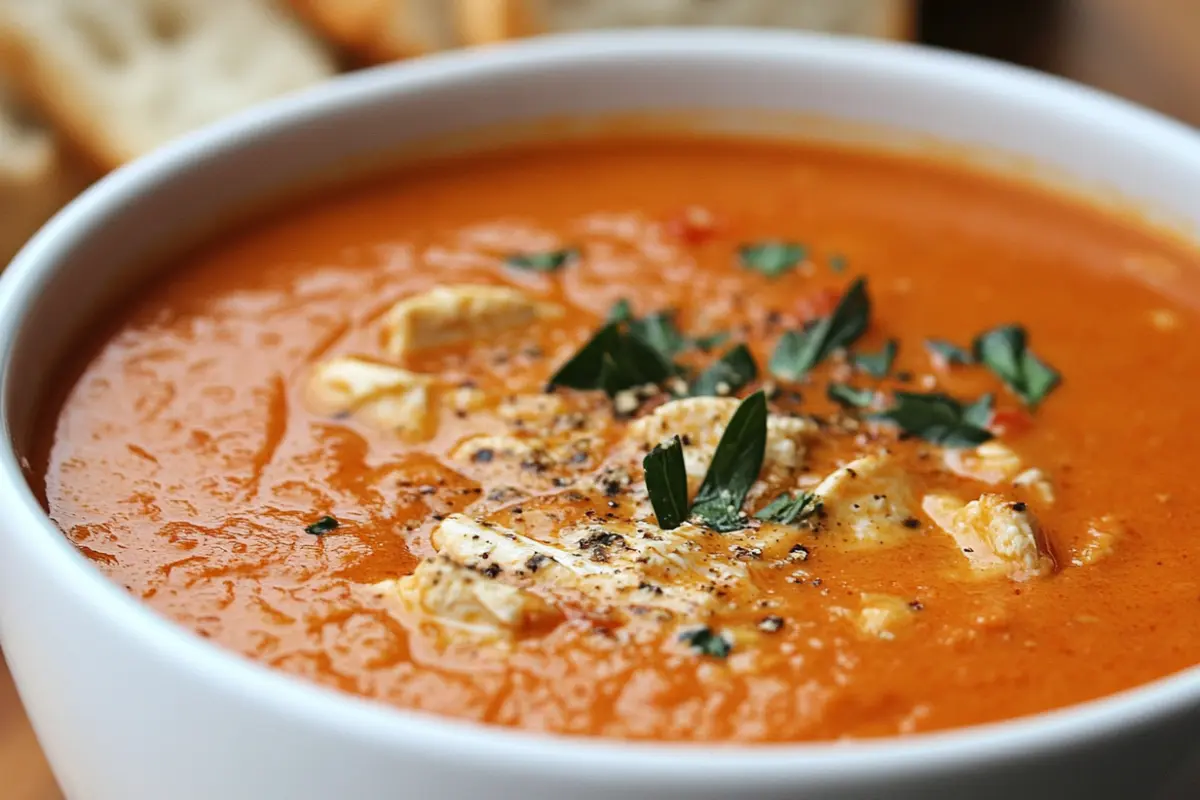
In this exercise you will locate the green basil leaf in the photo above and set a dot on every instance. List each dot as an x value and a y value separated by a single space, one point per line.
735 369
1001 350
550 261
621 311
735 466
666 483
786 509
877 365
949 352
658 330
1040 380
707 643
796 353
849 320
979 413
584 369
1004 350
799 351
849 396
772 258
639 364
937 418
711 341
613 360
322 526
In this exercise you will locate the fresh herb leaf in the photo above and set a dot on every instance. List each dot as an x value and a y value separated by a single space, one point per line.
322 526
1001 350
849 319
710 341
613 360
621 311
1004 350
658 330
666 483
949 352
938 418
799 351
632 363
796 353
735 466
849 396
772 258
730 372
979 413
787 509
707 643
877 365
549 261
837 263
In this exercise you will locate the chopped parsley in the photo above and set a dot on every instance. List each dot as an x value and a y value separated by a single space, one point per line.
322 526
940 419
800 351
735 466
706 642
613 360
849 396
549 261
787 509
837 263
877 365
1004 350
666 483
772 259
727 374
949 352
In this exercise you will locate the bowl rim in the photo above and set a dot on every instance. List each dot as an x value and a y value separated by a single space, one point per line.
649 762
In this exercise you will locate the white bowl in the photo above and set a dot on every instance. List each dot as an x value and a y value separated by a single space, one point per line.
132 707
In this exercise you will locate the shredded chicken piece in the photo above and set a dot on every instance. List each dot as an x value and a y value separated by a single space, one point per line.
997 536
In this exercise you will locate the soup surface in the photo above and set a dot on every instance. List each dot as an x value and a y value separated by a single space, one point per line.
662 439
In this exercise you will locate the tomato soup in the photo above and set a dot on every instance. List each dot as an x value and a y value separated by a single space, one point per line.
670 439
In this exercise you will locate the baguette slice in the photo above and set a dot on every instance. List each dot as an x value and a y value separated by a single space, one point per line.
483 21
378 31
36 175
121 77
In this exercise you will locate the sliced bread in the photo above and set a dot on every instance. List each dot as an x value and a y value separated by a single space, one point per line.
121 77
377 31
36 176
484 21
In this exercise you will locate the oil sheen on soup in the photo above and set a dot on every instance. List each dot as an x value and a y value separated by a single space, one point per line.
673 439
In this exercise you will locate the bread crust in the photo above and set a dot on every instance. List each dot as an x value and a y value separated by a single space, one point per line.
372 31
37 175
118 84
487 21
70 120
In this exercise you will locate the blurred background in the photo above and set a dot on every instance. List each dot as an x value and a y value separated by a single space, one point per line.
58 135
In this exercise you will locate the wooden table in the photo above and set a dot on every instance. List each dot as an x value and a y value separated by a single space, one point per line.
23 770
1147 50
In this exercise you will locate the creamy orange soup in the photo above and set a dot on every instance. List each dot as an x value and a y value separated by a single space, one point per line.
661 439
